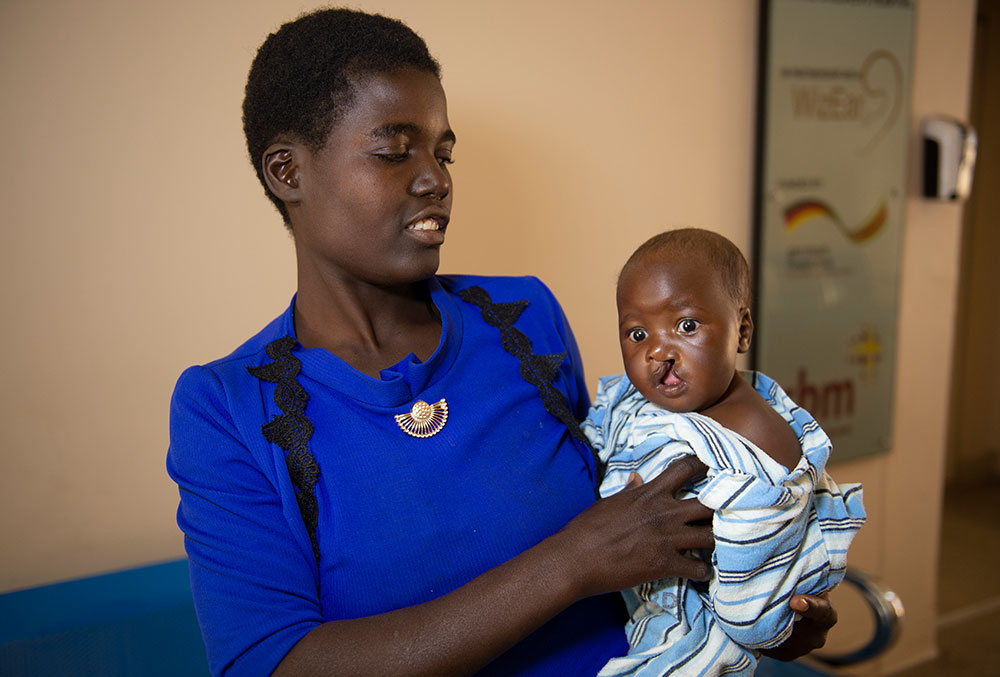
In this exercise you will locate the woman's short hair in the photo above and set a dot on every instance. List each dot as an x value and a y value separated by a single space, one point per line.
303 77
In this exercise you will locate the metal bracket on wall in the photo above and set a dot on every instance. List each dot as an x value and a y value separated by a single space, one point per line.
887 609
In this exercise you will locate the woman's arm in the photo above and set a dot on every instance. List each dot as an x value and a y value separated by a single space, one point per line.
630 538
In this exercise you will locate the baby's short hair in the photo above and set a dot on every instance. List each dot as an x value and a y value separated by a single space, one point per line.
717 251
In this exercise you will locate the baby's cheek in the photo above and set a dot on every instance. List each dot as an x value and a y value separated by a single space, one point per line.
633 366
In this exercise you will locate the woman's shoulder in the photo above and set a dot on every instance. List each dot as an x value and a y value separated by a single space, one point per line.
252 352
524 302
504 286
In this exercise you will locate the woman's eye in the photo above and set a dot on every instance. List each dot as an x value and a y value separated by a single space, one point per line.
687 326
445 161
637 335
393 158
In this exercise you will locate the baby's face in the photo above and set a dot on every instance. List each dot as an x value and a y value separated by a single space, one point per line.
680 331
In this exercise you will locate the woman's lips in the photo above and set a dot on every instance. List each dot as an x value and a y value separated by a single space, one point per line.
426 224
428 230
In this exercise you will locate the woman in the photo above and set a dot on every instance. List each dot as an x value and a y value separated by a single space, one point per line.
389 478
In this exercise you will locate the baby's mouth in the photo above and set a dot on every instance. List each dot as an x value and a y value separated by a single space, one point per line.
669 379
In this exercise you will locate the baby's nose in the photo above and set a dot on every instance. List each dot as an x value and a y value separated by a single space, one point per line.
660 350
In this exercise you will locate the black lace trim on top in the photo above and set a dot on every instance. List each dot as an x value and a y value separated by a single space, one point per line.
538 370
291 430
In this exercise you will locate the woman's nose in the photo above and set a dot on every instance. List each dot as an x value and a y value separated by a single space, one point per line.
432 180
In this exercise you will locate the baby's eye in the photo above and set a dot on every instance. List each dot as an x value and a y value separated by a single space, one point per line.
687 326
637 335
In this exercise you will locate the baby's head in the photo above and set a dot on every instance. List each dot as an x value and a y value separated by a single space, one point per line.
683 316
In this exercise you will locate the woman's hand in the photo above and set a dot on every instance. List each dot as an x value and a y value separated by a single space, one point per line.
635 536
641 534
809 632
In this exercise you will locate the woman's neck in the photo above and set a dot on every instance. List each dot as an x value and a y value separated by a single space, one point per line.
368 326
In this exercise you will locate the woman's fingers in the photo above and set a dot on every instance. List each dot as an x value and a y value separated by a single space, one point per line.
680 472
688 567
644 532
681 524
698 535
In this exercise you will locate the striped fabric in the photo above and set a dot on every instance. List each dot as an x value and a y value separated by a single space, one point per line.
777 533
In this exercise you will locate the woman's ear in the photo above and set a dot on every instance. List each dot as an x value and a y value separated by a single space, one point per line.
746 330
281 171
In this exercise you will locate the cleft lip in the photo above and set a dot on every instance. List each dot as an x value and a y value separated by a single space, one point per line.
665 371
660 370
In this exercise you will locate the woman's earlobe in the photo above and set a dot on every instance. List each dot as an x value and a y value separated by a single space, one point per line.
281 172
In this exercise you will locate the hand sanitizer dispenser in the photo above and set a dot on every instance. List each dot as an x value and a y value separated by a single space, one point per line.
949 158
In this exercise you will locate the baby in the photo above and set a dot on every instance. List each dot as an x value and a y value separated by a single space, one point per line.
781 524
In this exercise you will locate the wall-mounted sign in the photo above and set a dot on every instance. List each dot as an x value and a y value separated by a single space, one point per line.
833 139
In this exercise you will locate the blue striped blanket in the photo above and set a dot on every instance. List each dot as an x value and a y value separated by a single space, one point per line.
777 533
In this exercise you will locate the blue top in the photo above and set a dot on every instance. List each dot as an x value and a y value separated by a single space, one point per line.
399 520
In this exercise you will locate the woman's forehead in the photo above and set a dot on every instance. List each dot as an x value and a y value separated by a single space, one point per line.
403 101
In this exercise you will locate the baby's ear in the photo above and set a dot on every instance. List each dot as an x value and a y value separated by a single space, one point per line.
746 330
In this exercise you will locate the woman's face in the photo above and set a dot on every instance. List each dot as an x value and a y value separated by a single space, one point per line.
375 200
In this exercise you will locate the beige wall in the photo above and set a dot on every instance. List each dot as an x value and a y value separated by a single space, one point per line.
903 490
137 241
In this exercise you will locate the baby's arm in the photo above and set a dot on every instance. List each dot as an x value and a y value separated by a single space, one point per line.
778 533
768 548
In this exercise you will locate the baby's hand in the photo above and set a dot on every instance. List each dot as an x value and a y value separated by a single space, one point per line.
809 632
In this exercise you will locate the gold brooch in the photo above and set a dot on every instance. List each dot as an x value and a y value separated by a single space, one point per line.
424 420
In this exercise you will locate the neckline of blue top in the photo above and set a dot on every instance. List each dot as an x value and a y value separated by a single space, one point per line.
400 384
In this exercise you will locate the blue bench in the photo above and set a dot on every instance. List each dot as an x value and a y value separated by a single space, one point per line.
141 623
123 624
